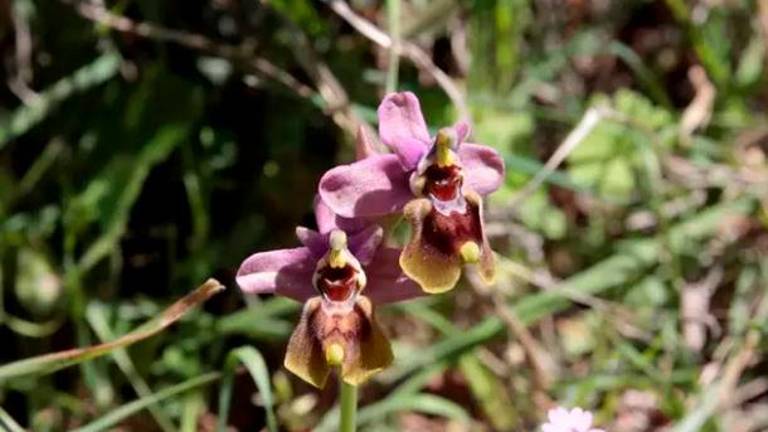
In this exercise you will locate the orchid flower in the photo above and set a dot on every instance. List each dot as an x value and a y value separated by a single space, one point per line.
329 274
437 182
563 420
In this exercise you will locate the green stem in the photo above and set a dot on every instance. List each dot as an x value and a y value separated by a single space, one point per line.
393 23
348 402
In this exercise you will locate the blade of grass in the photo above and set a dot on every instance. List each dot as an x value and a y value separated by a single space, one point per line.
422 403
46 159
417 381
49 363
448 347
526 165
121 413
254 362
260 328
27 116
644 74
97 319
485 387
393 24
7 423
154 152
194 403
260 320
490 393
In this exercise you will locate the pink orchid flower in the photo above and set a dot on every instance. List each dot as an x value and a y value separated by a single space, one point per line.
329 274
437 182
563 420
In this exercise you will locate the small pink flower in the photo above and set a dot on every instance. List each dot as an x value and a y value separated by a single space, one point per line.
575 420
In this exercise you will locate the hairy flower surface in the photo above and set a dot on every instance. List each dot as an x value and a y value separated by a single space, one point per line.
563 420
329 274
436 181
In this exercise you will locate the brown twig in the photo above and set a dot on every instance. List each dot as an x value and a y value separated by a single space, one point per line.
699 112
329 89
586 125
543 366
620 317
193 41
23 74
405 49
762 10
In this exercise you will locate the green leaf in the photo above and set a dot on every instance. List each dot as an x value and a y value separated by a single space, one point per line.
490 393
644 74
254 362
7 423
96 315
541 215
712 45
115 190
610 158
117 415
302 13
26 117
261 320
422 403
751 65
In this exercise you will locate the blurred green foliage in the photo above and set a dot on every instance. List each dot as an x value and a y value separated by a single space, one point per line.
148 145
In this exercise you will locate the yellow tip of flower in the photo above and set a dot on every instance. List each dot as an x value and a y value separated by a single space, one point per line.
336 259
445 140
338 243
334 355
338 240
470 252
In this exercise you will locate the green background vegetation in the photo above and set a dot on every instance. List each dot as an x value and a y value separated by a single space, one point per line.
137 160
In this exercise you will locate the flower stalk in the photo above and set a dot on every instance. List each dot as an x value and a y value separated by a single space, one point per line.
393 20
334 355
348 402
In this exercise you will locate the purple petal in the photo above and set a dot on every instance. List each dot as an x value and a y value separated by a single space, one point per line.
288 272
364 244
483 166
316 242
327 220
402 127
462 129
371 187
386 282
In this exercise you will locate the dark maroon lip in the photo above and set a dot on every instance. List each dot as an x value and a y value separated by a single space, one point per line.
337 284
448 232
443 183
